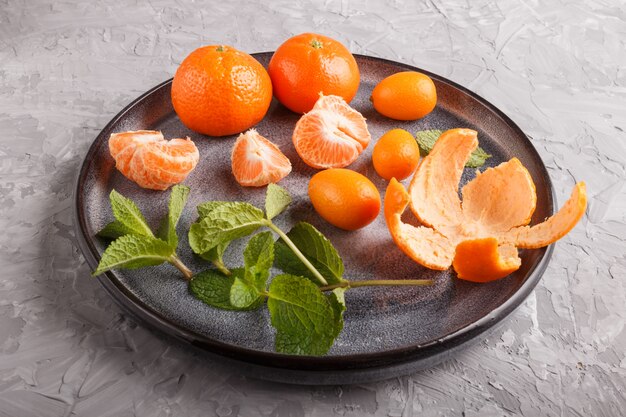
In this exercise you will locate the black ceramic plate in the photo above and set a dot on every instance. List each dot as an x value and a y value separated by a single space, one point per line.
388 331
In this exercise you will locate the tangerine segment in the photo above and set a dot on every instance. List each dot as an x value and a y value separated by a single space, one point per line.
434 187
482 260
332 135
256 161
424 245
491 203
146 158
555 227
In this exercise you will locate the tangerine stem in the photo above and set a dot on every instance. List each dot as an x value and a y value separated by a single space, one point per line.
297 252
378 283
175 260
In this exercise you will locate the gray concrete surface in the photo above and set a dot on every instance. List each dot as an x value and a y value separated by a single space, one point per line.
558 68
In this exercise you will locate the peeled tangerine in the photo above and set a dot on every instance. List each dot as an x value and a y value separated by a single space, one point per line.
480 236
145 157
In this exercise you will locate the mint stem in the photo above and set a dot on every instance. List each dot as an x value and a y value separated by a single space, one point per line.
297 252
378 283
175 260
221 267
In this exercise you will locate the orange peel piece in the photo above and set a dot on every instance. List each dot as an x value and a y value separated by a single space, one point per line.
437 254
479 235
483 260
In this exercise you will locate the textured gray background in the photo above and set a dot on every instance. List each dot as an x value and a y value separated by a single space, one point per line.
557 68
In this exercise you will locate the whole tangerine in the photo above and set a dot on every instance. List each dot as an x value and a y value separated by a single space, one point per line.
219 90
309 64
396 155
344 198
407 95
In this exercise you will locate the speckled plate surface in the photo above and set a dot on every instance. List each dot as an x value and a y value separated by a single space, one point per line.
388 331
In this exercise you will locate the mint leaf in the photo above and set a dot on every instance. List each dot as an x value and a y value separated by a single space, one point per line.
128 214
244 295
316 248
167 230
258 258
223 224
338 304
217 290
132 251
302 315
205 208
426 141
216 253
477 158
114 230
276 200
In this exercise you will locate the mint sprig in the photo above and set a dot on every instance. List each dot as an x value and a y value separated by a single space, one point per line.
306 303
426 141
135 245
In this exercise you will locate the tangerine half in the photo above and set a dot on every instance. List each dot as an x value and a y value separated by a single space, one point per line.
332 135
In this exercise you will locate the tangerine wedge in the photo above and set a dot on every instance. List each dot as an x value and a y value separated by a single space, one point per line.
145 157
256 161
331 135
479 235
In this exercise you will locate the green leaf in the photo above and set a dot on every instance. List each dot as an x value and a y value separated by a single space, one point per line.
276 200
216 290
223 224
205 208
128 214
302 315
426 141
216 253
244 295
316 248
178 198
114 230
258 258
338 303
132 251
477 158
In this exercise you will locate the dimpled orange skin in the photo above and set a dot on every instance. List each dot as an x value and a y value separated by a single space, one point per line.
309 64
396 155
219 90
344 198
407 95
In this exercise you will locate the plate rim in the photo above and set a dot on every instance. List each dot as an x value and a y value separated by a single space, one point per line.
347 362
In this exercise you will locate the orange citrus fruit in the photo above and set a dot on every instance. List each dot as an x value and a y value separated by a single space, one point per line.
219 91
396 155
344 198
145 157
256 161
309 64
332 135
479 236
407 95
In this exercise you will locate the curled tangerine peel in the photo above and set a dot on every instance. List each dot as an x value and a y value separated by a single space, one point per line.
483 260
497 206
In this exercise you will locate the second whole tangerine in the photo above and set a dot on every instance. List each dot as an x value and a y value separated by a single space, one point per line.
396 155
